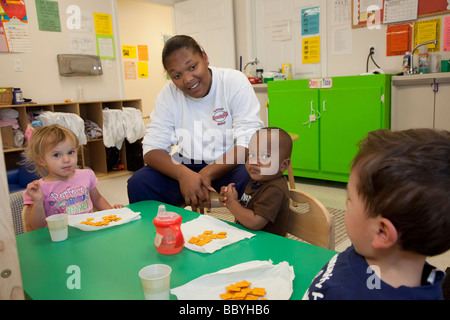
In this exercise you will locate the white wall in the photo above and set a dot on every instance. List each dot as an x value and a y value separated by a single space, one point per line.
353 63
40 78
144 23
363 38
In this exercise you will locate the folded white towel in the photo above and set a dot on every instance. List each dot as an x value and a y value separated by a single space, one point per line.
134 125
68 120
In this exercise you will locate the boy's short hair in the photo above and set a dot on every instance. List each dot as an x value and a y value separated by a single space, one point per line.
44 138
284 139
404 176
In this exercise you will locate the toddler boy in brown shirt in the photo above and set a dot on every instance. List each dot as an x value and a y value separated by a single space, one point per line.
265 202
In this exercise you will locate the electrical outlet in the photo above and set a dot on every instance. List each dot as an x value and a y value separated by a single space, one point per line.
372 50
18 65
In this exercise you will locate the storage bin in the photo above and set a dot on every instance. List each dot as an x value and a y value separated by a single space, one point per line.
7 137
6 96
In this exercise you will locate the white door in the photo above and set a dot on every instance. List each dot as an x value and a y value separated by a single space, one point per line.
211 23
278 35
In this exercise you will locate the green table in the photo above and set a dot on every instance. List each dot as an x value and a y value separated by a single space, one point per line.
108 261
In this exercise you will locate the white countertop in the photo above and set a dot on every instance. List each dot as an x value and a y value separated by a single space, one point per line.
416 79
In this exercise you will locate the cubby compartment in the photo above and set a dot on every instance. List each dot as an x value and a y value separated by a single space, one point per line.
92 111
112 105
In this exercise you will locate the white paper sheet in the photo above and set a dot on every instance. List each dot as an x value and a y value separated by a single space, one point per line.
203 223
276 279
126 214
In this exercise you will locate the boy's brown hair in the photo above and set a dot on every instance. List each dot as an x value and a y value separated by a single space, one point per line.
284 140
404 176
41 140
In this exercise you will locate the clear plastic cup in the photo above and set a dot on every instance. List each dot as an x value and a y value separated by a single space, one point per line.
58 225
155 280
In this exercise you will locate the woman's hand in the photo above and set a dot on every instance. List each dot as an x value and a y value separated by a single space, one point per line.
195 189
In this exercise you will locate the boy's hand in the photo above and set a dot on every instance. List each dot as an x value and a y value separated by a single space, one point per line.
34 190
117 206
229 193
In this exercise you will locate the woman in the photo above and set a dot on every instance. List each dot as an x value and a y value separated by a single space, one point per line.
210 113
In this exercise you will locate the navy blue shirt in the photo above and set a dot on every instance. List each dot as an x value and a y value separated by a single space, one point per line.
348 276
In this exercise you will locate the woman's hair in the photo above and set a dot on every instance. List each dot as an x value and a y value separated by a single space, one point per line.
177 42
404 176
43 139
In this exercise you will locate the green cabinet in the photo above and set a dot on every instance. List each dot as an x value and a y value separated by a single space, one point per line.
330 122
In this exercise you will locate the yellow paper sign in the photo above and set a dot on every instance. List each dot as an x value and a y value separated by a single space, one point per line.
129 52
103 23
311 50
428 30
143 69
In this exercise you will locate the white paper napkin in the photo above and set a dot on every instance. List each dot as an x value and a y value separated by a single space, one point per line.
203 223
126 214
276 279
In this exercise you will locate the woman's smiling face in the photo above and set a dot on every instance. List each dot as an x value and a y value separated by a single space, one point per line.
189 72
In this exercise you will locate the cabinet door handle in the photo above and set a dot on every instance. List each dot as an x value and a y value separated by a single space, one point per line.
324 106
435 87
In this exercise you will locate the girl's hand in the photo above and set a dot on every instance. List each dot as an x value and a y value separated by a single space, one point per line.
34 190
117 206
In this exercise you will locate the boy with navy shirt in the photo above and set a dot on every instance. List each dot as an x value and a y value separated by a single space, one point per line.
398 213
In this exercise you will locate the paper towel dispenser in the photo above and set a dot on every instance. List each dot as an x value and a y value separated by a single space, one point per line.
71 65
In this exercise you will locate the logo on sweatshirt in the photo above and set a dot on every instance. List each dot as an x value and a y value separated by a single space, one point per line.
220 116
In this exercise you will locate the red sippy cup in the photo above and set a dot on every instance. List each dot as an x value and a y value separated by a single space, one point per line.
169 238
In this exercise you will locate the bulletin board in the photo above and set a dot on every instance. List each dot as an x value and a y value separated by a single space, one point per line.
360 16
433 7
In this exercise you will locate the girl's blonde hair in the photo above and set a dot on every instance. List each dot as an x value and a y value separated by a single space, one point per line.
41 140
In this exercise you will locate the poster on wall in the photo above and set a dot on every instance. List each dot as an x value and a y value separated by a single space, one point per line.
143 69
129 52
143 52
428 30
48 15
311 50
14 30
310 21
104 35
398 39
129 68
446 44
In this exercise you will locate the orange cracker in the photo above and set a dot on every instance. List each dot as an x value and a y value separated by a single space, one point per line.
233 288
247 290
194 240
203 242
243 284
239 296
226 296
259 292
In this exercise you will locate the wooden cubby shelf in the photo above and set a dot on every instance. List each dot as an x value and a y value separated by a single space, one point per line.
93 154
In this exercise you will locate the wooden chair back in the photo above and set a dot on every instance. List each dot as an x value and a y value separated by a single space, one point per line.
316 226
26 225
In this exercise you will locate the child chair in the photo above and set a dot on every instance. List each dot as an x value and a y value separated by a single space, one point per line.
316 226
26 225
